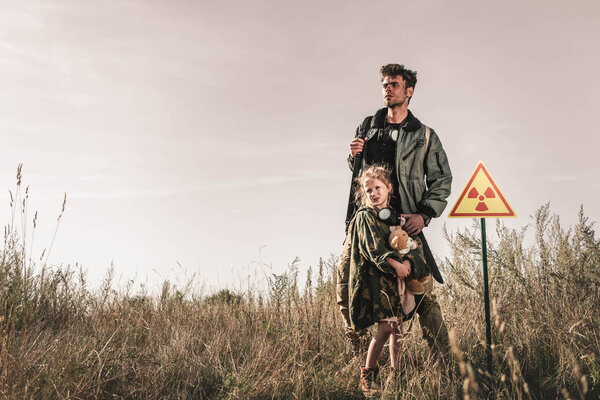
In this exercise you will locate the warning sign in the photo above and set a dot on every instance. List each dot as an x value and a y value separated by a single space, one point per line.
481 198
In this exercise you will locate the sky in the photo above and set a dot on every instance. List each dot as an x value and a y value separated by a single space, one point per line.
209 139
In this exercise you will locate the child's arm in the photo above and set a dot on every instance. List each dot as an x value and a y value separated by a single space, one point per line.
402 268
417 260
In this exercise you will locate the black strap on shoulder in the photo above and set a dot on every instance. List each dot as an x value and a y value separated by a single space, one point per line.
357 164
364 127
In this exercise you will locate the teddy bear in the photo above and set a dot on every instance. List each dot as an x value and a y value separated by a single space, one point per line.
402 243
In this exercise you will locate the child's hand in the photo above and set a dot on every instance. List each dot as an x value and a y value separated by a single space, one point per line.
402 268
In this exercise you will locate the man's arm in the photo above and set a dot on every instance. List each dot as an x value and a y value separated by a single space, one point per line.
438 178
357 144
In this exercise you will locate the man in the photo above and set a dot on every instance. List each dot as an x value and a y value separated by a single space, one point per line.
421 178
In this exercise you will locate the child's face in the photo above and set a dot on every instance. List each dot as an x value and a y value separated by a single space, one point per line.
378 193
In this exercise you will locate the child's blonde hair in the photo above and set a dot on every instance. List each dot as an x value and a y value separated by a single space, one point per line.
373 171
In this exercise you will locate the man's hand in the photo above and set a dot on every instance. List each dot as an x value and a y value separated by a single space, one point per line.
402 268
356 146
414 224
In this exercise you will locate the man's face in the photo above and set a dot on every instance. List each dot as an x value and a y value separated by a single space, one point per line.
395 92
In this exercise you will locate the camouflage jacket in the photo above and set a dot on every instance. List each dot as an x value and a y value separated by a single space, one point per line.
367 290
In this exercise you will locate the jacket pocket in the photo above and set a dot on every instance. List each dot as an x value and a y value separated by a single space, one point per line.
439 163
413 148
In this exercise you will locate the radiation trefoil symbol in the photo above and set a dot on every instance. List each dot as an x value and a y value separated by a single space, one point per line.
488 194
481 198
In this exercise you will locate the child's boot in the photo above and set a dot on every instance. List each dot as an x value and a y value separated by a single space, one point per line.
368 381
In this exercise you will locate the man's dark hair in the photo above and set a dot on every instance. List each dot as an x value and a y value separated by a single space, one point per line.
410 77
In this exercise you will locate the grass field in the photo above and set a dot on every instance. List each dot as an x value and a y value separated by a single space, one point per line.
61 340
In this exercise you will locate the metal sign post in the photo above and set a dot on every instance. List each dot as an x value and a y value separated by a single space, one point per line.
486 299
482 198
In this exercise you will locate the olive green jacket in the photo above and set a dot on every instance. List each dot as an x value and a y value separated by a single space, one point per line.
424 176
367 289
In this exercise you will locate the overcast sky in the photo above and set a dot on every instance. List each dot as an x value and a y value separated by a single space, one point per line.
187 135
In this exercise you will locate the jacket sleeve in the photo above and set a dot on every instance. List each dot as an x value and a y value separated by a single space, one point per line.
372 242
438 178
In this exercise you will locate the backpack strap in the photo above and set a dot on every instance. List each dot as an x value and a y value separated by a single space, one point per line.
364 127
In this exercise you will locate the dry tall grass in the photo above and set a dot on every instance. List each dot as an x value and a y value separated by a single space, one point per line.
59 340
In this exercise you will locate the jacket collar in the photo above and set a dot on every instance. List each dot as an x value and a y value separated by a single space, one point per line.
367 209
411 123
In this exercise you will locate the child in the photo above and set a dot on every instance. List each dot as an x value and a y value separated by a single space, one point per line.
375 280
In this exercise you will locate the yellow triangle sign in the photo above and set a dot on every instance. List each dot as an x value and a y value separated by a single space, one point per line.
481 198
